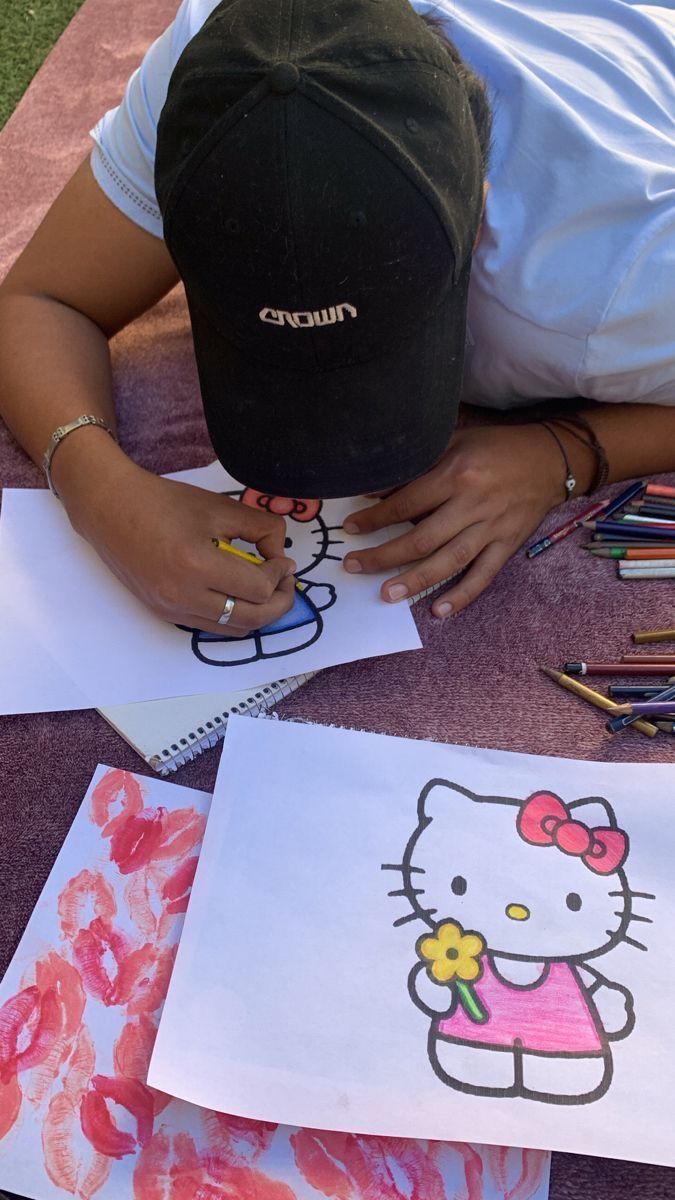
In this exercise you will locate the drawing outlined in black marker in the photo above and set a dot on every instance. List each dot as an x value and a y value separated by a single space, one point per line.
303 625
524 895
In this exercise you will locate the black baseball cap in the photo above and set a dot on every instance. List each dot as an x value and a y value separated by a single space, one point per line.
319 177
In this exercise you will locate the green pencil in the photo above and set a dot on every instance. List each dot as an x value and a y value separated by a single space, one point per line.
618 551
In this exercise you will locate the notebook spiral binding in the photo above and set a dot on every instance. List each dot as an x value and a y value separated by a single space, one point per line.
205 736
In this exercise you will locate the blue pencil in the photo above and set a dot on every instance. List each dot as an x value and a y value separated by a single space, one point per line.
639 532
624 498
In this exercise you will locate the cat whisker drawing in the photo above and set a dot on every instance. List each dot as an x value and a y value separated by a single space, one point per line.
414 916
507 979
632 942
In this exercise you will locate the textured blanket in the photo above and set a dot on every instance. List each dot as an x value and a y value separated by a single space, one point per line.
477 682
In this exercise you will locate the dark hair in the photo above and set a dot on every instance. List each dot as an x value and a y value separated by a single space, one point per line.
476 91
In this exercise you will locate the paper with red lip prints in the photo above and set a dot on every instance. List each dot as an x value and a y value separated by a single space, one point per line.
79 1008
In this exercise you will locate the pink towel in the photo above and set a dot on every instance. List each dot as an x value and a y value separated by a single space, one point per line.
476 683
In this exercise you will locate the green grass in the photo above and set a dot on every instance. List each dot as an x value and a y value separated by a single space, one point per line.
29 30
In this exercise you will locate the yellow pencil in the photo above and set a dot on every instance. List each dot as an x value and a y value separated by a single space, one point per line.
597 698
252 558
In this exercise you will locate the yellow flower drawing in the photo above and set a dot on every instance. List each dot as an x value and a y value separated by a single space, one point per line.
453 954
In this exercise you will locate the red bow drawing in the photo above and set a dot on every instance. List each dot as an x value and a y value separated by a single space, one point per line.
284 506
545 821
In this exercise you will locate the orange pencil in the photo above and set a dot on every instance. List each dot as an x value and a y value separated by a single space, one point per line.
658 552
660 489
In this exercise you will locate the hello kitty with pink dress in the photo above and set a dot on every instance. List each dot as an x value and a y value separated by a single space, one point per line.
522 900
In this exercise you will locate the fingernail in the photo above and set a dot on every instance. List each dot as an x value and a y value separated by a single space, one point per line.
352 565
444 609
350 526
397 591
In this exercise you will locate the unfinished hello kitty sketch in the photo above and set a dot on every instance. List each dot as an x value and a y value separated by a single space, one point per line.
309 539
503 970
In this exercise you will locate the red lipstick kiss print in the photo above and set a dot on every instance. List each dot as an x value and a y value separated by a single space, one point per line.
98 1125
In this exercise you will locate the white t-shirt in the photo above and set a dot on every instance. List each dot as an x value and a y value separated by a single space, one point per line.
573 284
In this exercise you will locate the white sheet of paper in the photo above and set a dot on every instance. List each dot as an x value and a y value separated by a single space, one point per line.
290 997
115 651
78 1010
31 681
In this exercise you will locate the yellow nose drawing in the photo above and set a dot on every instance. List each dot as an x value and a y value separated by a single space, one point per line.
517 912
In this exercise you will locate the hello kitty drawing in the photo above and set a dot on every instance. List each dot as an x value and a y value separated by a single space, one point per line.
520 898
308 540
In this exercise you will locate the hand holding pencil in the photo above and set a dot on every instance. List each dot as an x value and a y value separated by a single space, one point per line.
156 535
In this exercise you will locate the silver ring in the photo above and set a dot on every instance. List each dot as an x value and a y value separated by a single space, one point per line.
228 609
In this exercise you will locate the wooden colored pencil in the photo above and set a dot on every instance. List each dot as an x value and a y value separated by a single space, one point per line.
649 564
660 489
632 554
639 691
600 543
646 573
641 708
595 698
665 660
662 501
635 532
642 509
638 519
653 635
614 668
666 726
563 531
624 497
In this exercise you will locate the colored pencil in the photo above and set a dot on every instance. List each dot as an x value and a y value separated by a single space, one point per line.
563 531
636 531
644 573
641 708
664 659
604 543
614 668
635 554
642 509
617 723
649 658
638 519
666 726
660 489
661 501
653 635
625 691
624 497
595 698
649 564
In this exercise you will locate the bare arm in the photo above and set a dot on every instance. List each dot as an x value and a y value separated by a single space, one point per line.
87 272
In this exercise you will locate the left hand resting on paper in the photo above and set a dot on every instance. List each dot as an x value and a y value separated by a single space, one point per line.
474 508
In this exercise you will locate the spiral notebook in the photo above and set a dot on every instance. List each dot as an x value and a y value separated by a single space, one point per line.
170 733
